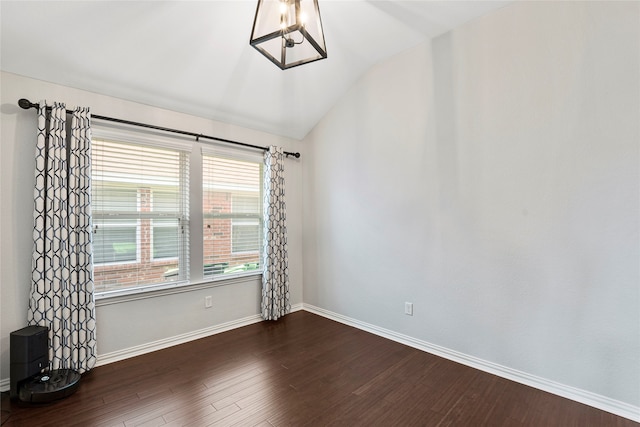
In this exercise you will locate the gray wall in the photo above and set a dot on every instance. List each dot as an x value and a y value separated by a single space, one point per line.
491 177
122 325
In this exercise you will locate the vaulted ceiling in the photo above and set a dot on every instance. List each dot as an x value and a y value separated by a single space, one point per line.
194 56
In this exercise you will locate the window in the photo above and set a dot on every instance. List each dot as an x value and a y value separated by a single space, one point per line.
145 210
232 215
140 214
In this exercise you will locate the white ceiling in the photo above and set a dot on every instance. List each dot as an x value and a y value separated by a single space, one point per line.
194 56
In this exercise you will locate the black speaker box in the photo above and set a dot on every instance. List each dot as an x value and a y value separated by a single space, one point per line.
29 354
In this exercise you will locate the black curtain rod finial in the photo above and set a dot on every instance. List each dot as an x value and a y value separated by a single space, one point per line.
26 104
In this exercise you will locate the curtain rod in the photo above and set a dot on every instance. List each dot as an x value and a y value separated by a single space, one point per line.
26 104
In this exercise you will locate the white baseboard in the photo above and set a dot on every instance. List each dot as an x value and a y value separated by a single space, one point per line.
588 398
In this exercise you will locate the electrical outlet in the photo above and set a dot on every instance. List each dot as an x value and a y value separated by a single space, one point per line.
408 308
208 302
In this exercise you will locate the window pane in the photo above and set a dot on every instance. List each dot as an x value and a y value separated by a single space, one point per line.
246 203
232 214
165 238
115 241
245 235
114 197
140 208
166 199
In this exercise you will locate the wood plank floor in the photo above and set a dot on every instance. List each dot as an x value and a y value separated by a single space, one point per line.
303 370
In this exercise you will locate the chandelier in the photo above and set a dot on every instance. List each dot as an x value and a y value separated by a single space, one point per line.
288 32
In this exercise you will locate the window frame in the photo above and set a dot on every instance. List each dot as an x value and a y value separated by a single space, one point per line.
117 134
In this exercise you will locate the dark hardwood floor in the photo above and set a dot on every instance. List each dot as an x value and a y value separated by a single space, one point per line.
303 370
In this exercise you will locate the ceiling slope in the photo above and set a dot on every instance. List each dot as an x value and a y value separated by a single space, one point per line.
194 56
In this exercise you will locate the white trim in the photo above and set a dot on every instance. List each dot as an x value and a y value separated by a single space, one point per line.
5 385
297 307
613 406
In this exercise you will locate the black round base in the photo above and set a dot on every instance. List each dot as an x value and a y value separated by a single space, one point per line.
49 386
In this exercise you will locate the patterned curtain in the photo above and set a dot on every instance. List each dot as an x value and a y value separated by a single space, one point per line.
275 274
62 269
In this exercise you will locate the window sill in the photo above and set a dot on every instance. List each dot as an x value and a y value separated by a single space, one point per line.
120 296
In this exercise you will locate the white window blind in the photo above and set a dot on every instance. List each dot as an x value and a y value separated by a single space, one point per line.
232 215
140 215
